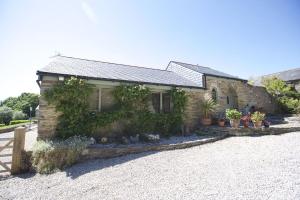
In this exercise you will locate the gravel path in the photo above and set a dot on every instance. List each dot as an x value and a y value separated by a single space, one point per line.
266 167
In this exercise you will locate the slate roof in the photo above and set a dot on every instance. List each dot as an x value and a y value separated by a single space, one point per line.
207 70
63 65
288 76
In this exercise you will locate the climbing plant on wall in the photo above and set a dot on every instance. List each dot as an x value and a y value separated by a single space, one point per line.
71 100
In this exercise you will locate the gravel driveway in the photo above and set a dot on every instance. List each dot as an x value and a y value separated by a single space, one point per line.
266 167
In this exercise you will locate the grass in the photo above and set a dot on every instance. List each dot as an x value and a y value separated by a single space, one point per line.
13 126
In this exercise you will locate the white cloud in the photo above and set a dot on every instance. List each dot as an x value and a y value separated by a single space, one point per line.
89 12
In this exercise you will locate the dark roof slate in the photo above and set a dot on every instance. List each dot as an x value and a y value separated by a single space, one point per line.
288 76
206 70
116 72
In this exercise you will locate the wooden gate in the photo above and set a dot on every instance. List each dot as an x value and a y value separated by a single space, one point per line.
8 144
14 157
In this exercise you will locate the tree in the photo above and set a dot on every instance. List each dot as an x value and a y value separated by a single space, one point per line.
23 103
6 115
275 86
287 98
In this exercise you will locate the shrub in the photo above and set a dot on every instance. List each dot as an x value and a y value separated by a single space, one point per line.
18 122
289 105
6 115
208 107
233 114
19 115
257 116
52 155
1 125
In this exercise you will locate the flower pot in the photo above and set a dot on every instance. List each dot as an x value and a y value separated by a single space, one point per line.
221 123
235 123
257 124
246 124
206 121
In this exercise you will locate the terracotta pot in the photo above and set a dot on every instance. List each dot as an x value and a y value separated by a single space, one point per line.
257 124
206 121
235 123
246 124
221 123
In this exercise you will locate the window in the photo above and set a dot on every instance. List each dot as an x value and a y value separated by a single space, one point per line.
156 102
161 102
214 95
227 99
166 103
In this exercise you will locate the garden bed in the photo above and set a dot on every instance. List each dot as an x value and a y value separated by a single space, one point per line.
179 142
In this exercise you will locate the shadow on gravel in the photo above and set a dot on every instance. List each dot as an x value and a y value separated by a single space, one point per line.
22 176
93 165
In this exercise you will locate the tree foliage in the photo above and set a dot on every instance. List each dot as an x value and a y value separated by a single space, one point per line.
6 115
23 103
287 98
276 86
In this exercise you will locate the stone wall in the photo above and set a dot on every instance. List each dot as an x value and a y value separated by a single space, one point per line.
47 115
243 93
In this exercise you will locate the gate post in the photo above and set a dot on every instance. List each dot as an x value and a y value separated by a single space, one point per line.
18 148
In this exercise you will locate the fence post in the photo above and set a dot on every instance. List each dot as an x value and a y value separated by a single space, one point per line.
18 148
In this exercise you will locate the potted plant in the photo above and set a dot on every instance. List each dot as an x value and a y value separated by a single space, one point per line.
245 120
234 116
221 120
257 118
207 108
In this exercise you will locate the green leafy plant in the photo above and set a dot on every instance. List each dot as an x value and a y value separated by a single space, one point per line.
233 114
287 98
208 107
257 116
52 155
276 86
6 115
71 101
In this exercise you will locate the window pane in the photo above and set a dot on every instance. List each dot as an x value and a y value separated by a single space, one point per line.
107 100
166 103
93 100
156 102
214 95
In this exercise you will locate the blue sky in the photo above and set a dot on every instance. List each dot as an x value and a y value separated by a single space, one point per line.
243 38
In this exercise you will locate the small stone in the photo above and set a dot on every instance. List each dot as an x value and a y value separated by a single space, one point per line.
124 140
135 139
104 140
92 140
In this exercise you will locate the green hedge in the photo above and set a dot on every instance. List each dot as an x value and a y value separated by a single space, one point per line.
18 122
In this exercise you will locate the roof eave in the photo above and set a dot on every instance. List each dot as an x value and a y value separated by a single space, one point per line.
238 79
116 80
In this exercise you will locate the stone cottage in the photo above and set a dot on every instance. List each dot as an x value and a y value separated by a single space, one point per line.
199 82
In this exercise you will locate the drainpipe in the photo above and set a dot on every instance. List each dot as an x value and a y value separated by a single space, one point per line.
204 81
38 81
